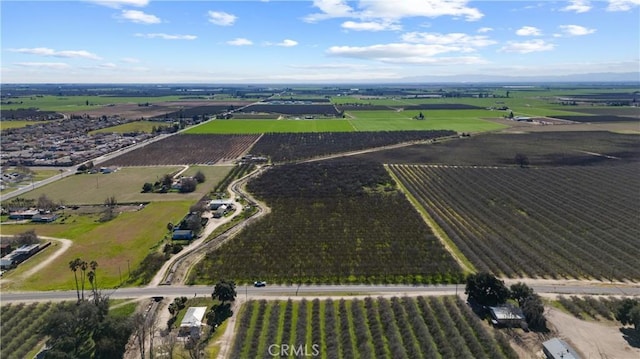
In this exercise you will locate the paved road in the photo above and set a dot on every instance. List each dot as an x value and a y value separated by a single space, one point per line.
312 290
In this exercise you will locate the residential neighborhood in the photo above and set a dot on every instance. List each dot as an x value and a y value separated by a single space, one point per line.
64 143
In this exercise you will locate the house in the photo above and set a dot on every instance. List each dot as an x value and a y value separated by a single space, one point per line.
44 218
506 315
557 348
26 214
182 234
192 321
214 204
220 211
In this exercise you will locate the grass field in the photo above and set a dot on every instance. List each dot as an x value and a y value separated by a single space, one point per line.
238 126
456 120
461 120
116 245
137 126
125 184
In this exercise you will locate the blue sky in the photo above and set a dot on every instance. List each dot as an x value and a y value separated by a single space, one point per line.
146 41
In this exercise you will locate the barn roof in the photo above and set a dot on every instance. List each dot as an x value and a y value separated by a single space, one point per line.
557 348
193 317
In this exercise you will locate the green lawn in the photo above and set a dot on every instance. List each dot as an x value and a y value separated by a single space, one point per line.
125 184
117 245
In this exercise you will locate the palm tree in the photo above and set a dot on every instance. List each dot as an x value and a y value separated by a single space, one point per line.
83 266
93 279
73 265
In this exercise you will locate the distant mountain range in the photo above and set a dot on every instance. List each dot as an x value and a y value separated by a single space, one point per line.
589 77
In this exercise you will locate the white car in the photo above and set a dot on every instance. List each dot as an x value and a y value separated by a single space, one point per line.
260 284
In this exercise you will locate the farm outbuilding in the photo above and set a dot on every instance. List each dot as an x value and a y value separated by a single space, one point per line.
7 262
44 218
557 348
192 321
182 234
216 203
26 214
506 315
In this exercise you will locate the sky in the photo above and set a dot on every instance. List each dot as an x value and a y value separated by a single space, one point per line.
320 41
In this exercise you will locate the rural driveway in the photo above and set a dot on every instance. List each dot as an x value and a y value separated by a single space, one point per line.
593 339
65 244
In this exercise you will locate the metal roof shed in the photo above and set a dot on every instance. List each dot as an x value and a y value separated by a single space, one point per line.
557 348
192 321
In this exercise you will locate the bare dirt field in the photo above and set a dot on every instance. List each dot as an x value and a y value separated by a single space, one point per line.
559 125
592 339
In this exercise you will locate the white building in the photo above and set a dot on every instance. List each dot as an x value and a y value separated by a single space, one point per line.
192 321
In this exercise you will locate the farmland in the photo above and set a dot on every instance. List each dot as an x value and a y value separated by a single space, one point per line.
125 184
567 214
422 327
122 242
185 150
568 148
282 147
538 222
241 126
332 222
22 324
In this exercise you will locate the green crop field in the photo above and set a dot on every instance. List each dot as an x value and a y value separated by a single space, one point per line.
456 120
117 245
238 126
125 184
136 126
411 328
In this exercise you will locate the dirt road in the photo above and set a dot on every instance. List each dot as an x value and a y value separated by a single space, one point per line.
592 339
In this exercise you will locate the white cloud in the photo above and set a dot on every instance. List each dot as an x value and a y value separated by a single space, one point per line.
575 30
483 30
117 4
139 17
283 43
167 36
393 10
528 31
526 47
413 8
330 9
287 43
404 53
622 5
579 6
222 18
370 26
467 42
47 65
44 51
240 42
